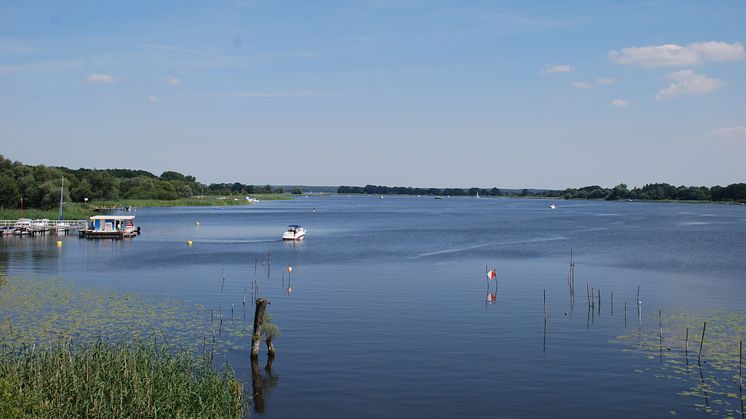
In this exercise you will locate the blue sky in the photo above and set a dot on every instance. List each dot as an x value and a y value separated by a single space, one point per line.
414 93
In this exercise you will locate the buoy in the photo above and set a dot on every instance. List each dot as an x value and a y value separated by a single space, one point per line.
491 274
189 242
59 243
196 223
290 269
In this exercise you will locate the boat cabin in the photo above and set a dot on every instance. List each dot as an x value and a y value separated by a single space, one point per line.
110 226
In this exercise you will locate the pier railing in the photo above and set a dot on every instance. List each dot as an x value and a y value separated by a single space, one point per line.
72 224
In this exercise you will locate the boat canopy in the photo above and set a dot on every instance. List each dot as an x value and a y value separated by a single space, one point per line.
113 217
293 226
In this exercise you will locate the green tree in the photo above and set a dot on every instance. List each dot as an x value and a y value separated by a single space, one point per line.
9 195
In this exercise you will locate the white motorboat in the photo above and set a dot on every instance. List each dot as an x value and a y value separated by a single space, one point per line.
552 206
294 232
22 226
40 226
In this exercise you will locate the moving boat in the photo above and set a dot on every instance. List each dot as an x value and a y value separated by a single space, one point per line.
294 232
110 227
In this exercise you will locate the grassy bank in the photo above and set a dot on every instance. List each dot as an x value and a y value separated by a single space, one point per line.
108 380
207 201
79 211
73 211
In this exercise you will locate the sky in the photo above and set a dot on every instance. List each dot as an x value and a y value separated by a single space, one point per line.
428 93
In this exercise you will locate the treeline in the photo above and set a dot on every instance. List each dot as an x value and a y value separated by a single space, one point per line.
39 185
659 191
406 190
652 192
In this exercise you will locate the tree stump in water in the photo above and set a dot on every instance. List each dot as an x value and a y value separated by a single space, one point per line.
256 338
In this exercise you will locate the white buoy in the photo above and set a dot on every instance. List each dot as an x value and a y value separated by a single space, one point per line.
196 223
189 242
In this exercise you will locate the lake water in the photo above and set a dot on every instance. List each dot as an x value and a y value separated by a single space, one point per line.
388 317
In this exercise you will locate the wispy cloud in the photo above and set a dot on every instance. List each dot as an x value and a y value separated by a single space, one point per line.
603 81
619 103
582 85
677 55
730 133
687 82
174 81
152 99
100 78
557 68
268 94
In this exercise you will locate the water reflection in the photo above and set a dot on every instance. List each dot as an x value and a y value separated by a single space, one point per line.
261 384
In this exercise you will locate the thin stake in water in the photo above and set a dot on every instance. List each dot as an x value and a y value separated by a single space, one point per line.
702 342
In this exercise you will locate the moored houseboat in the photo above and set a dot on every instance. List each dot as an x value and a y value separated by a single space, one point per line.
110 227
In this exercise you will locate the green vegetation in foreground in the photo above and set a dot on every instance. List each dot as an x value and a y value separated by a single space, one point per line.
712 385
43 375
108 380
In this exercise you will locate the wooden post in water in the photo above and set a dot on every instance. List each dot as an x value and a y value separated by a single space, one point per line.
261 310
588 294
639 308
545 304
660 334
702 342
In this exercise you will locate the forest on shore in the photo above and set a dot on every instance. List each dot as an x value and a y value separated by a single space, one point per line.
650 192
39 185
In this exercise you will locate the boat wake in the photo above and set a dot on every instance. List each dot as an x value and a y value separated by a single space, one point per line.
479 246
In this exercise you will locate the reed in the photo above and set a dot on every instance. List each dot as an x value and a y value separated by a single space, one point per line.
115 380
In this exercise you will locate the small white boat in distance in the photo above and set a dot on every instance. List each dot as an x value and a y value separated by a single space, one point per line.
552 206
294 232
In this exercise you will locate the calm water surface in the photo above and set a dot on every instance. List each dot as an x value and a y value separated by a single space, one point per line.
388 316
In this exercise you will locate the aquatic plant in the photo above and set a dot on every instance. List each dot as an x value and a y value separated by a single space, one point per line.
42 310
100 379
675 342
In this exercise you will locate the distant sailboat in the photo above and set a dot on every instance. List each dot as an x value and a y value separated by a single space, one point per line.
62 226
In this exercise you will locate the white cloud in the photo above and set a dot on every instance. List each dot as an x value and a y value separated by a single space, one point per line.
620 103
677 55
730 133
557 68
174 81
100 78
602 81
687 82
582 85
152 99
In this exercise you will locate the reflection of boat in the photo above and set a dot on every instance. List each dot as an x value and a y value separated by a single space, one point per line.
110 227
294 232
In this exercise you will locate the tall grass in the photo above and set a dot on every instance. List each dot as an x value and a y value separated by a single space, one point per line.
73 211
115 380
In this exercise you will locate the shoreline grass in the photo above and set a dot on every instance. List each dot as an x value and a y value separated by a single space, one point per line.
79 211
115 380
